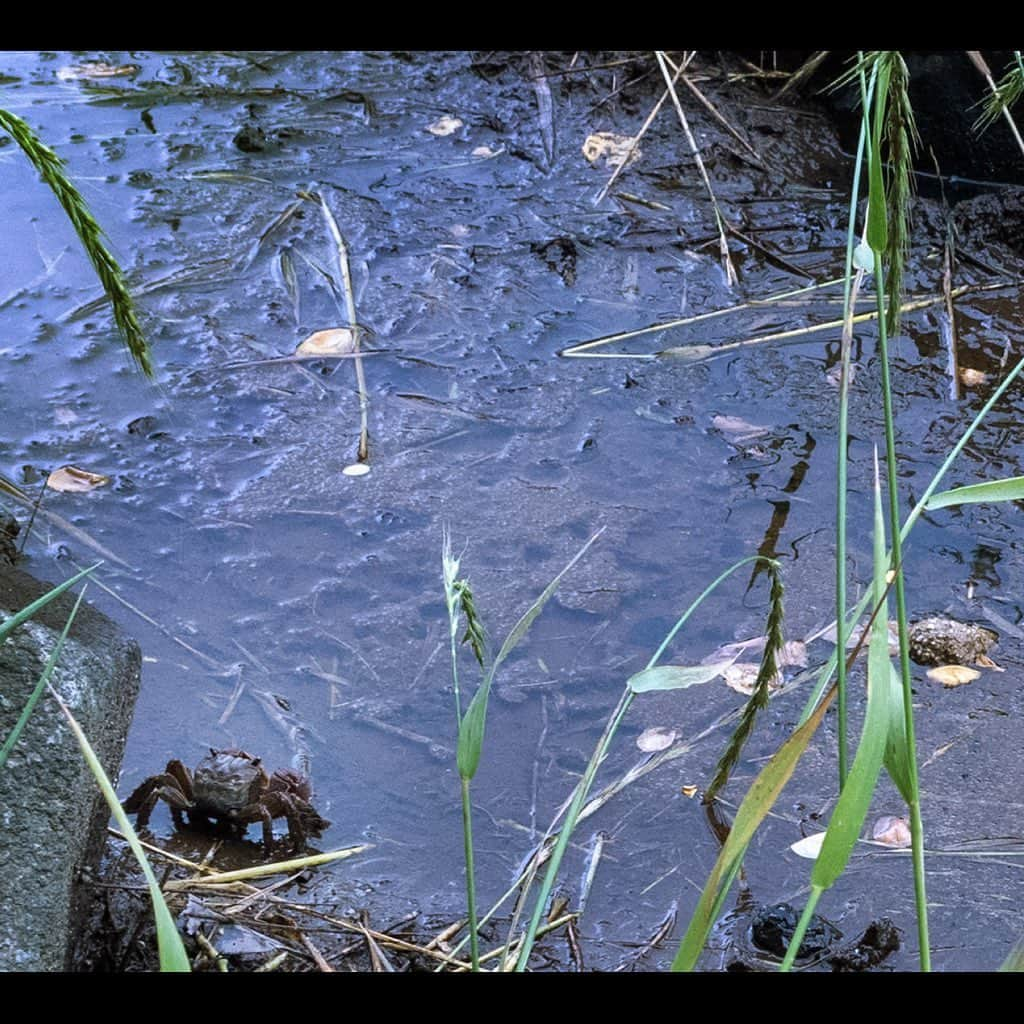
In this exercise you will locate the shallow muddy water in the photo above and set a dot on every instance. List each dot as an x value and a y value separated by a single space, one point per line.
299 612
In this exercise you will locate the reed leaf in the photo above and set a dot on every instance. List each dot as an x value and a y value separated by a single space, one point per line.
756 805
852 805
1010 489
675 677
897 746
878 229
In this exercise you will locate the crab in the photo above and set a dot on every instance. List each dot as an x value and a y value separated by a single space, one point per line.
233 788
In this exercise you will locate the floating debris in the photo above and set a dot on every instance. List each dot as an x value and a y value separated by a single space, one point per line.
356 469
74 480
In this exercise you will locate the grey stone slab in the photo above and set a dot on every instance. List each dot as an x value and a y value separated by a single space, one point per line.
52 814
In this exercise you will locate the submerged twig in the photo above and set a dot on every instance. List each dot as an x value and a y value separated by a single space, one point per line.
353 324
715 113
576 351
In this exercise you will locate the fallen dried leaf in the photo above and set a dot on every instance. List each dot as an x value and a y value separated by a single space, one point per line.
656 738
809 846
952 675
891 830
339 341
742 676
444 126
74 480
611 148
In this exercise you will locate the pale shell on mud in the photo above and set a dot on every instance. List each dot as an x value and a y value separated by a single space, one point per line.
73 480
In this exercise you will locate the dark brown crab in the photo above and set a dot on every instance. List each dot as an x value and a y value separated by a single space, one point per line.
233 788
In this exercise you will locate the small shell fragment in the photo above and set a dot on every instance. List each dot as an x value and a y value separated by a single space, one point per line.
356 469
444 126
74 480
952 675
891 830
656 738
689 791
339 341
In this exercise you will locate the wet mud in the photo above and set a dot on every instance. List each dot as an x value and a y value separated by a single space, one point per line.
298 613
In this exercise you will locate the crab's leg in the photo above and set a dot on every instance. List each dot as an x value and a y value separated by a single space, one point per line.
268 830
160 787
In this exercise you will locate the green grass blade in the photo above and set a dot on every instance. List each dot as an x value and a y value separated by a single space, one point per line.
878 228
37 691
1015 961
11 624
897 748
1010 489
471 728
173 957
760 799
676 677
855 798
